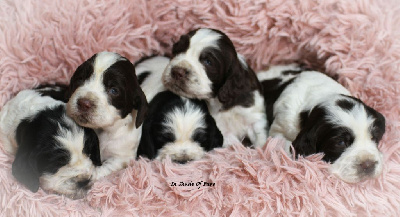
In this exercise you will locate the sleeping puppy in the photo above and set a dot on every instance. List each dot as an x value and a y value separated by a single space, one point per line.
104 94
205 66
178 127
317 114
50 149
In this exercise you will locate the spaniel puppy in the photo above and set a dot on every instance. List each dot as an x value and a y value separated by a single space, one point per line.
104 94
50 149
317 114
205 66
178 127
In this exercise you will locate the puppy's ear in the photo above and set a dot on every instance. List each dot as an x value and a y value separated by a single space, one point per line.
24 169
141 105
312 124
215 138
91 146
239 83
305 142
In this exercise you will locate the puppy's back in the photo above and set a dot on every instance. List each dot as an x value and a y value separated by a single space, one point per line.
24 105
149 72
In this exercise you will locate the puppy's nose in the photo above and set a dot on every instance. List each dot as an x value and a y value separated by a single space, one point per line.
83 184
367 166
84 104
182 161
178 72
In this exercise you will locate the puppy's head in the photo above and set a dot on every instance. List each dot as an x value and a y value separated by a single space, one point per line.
56 154
104 89
179 128
348 132
205 65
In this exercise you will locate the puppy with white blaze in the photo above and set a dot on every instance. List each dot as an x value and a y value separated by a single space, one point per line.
178 127
175 126
318 114
104 94
50 149
206 66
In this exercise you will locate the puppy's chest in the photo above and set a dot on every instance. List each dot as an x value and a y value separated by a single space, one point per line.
122 142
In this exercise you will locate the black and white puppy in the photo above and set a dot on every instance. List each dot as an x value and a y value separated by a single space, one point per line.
318 114
175 126
178 127
205 66
104 94
50 149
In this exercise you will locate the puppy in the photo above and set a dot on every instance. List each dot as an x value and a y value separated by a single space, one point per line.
317 114
104 94
178 127
50 149
205 66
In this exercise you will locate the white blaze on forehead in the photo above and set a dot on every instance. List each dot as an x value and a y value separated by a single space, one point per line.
356 119
104 60
203 38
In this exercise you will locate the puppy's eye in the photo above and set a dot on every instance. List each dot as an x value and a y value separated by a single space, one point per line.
113 91
78 80
207 62
341 144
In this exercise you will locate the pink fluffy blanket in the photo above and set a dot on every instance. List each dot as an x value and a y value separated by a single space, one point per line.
357 41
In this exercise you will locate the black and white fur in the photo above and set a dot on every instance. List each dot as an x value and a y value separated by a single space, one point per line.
104 94
50 149
175 126
178 127
149 72
205 66
318 114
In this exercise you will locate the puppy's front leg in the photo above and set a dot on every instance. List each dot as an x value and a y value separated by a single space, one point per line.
258 133
109 166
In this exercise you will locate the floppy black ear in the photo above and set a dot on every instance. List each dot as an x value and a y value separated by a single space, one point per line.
238 86
91 146
215 138
312 124
147 147
141 105
305 142
24 169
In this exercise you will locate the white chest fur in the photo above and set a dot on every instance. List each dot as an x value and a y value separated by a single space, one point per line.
118 145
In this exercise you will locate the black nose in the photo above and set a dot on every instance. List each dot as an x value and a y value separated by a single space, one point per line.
182 161
178 72
84 104
367 166
83 184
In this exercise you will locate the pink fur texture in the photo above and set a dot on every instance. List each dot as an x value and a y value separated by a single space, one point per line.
357 41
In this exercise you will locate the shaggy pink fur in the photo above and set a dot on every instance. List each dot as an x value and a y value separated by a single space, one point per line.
358 41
